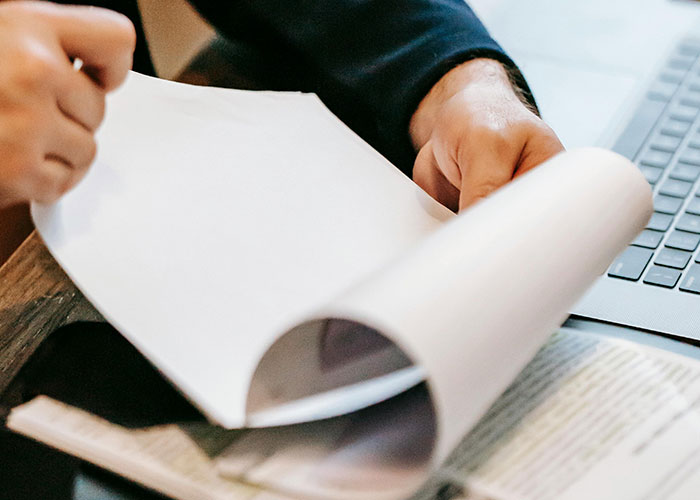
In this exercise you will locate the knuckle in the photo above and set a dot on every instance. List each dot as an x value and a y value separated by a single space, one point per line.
83 101
548 132
121 29
38 63
129 34
55 185
36 68
86 153
493 132
537 125
480 127
545 135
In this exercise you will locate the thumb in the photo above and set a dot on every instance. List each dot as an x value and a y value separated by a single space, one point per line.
483 173
429 177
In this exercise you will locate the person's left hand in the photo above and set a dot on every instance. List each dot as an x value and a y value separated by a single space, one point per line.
474 134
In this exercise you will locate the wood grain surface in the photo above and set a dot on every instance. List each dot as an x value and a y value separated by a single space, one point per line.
36 298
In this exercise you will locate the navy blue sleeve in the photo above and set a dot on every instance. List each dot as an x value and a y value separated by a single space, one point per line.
371 61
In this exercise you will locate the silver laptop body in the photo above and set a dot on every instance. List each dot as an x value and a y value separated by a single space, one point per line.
592 67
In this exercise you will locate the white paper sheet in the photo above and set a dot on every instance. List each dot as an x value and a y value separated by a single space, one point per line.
213 220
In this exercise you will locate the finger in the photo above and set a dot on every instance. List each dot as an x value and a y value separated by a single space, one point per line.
428 176
72 143
540 148
52 178
81 100
484 169
104 40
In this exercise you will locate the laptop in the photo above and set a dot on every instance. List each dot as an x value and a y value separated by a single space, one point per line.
625 75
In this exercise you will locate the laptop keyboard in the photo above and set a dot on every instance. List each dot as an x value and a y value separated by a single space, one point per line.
663 139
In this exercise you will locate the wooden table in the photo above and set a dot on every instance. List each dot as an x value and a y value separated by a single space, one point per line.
36 298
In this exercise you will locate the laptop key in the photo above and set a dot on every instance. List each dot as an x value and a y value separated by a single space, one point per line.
651 174
677 189
668 143
694 141
691 99
662 276
690 156
672 76
648 239
683 113
666 204
689 222
681 63
662 91
694 85
691 282
675 128
669 257
654 158
685 172
681 240
693 207
689 48
660 222
631 263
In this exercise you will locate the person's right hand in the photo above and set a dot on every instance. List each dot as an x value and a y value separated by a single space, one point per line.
49 111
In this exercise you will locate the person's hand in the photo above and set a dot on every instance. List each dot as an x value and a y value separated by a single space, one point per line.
473 134
49 110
